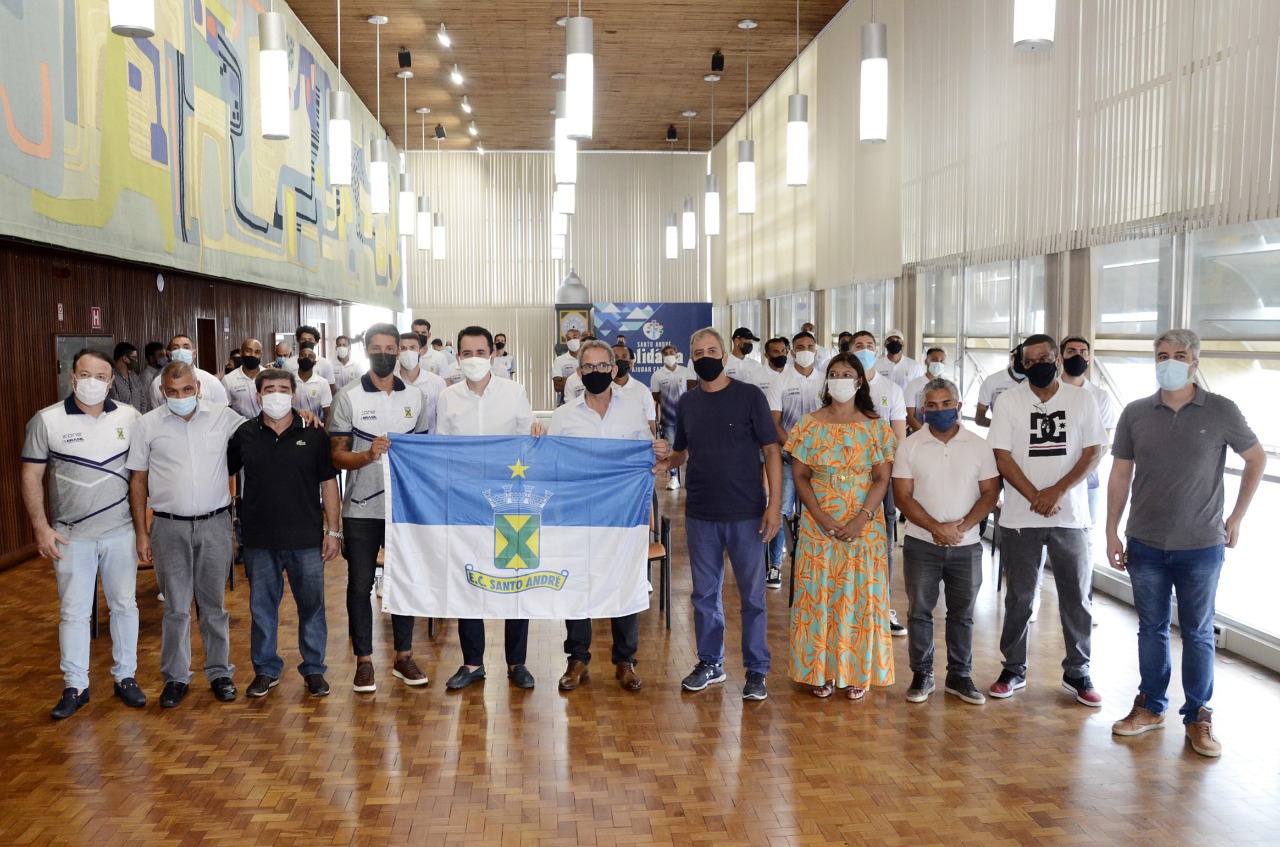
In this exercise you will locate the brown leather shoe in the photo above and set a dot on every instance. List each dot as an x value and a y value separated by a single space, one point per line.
626 675
574 675
406 670
364 681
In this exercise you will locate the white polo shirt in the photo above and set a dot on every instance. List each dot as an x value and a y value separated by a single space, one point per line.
312 395
208 387
624 419
995 385
795 395
504 366
503 409
900 372
743 370
945 476
564 365
88 482
1046 440
242 394
185 460
767 376
1106 406
433 361
344 373
323 366
430 385
363 412
573 387
635 389
887 396
671 384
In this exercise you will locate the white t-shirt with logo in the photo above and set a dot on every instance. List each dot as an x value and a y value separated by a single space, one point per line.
795 395
887 396
995 385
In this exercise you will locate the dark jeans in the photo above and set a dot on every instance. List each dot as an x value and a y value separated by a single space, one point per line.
959 570
1022 551
626 639
1156 575
266 570
471 636
362 539
709 541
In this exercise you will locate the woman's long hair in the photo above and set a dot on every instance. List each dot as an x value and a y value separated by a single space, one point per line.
863 398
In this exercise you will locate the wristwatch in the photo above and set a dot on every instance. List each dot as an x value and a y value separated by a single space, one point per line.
333 533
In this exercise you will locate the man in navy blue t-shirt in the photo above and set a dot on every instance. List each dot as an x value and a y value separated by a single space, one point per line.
721 428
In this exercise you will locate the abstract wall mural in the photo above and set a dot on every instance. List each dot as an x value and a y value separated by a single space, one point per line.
151 150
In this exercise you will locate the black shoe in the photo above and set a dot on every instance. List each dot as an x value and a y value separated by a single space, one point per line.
70 703
921 687
520 677
464 677
224 689
173 694
258 688
317 685
963 687
130 694
754 689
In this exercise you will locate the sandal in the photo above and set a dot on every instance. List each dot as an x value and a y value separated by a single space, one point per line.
855 693
823 690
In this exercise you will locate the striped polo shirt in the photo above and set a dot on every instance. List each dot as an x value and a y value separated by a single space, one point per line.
362 412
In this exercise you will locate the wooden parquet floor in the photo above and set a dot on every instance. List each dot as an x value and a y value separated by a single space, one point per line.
600 766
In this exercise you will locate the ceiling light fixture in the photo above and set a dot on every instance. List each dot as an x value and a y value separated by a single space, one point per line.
798 125
711 200
407 203
747 147
339 160
566 149
1033 24
673 237
379 167
132 18
273 76
438 237
443 35
466 104
689 218
873 106
580 75
456 75
471 128
424 202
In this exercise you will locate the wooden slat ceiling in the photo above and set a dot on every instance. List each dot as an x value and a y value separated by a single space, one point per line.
650 59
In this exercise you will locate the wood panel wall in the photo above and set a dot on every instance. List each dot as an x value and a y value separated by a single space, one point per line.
35 279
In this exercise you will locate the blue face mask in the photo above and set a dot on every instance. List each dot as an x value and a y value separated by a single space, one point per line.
182 406
181 355
941 419
868 359
1172 374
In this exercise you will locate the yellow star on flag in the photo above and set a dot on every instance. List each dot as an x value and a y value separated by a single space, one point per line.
518 469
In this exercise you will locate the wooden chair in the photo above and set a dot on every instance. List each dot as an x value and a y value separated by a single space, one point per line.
660 552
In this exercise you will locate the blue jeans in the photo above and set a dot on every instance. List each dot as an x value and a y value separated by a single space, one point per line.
778 545
1193 575
115 557
266 570
708 542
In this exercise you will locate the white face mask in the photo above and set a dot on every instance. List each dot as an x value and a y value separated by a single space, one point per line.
343 352
806 358
842 390
91 391
182 355
669 361
936 369
573 344
276 405
408 359
475 368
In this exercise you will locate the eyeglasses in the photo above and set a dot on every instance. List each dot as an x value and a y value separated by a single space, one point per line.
602 368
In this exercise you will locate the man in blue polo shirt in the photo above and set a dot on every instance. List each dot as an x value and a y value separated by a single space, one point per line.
85 440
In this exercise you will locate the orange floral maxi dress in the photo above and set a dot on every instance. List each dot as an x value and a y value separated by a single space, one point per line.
840 616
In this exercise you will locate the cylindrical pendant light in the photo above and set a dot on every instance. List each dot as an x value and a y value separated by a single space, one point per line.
132 18
689 225
746 177
339 137
711 216
798 139
1033 24
673 237
379 176
273 76
407 212
580 76
565 199
559 223
438 239
873 108
557 247
424 223
566 149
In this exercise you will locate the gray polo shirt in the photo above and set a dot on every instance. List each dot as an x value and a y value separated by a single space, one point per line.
362 412
1178 460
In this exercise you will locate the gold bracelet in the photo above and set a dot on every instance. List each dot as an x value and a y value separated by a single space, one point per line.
870 514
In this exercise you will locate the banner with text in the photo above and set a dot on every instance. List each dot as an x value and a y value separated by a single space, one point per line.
648 327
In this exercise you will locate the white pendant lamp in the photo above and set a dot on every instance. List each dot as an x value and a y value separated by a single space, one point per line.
559 223
798 125
438 239
711 211
580 75
424 202
443 35
456 75
557 247
273 76
339 159
406 213
673 237
747 147
565 199
566 149
132 18
379 166
688 225
873 107
1033 24
466 104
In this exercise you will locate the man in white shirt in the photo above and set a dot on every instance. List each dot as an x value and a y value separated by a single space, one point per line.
1076 356
566 364
628 387
208 386
996 384
434 361
947 483
796 392
935 365
887 396
363 414
777 358
739 367
895 364
483 405
437 346
504 364
242 392
313 394
179 463
603 412
1047 437
323 366
668 384
823 353
344 369
411 371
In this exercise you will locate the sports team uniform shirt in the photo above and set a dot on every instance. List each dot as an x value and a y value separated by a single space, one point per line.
767 376
670 385
900 372
564 365
433 361
208 387
88 480
185 460
363 412
1106 406
242 394
504 366
795 395
995 385
573 387
636 391
430 385
323 366
945 476
743 370
312 395
343 374
887 396
503 409
1046 440
913 394
623 419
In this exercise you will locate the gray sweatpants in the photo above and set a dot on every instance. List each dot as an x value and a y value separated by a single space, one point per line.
1020 551
192 560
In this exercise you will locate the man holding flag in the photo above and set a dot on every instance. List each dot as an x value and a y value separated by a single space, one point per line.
603 412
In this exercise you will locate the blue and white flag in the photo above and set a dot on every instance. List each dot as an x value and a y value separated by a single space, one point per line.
516 527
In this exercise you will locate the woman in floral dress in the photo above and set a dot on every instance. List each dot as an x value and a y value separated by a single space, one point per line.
841 458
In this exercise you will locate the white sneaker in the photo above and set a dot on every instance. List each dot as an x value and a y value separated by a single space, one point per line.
160 596
650 586
1035 608
674 483
377 582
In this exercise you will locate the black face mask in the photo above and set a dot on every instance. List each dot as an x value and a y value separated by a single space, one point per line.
845 345
778 361
250 363
500 345
596 383
708 368
893 347
306 366
624 368
747 348
382 364
1074 365
1042 374
1017 362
